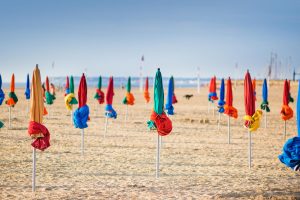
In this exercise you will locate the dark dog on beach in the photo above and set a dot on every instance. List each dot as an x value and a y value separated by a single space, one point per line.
188 96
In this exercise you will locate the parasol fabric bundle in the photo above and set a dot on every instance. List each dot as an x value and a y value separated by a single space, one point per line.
159 120
70 99
286 110
169 106
228 108
36 129
48 96
12 97
67 86
146 91
129 99
252 117
174 99
1 124
81 114
265 104
2 95
212 95
109 111
291 149
99 93
27 90
221 102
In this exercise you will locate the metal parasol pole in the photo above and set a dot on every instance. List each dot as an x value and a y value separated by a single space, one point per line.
33 168
284 129
250 149
105 129
265 119
228 129
72 116
27 106
157 155
82 142
9 117
219 121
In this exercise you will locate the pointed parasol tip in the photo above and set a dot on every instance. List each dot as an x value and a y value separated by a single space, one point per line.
158 69
37 66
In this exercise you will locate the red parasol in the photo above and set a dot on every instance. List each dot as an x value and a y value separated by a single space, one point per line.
67 83
110 91
82 92
47 84
249 95
229 109
286 111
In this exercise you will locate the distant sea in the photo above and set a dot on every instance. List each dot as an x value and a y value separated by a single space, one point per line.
121 81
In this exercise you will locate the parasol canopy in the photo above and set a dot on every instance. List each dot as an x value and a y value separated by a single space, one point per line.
12 97
2 95
265 104
129 99
36 129
146 91
67 87
212 95
49 97
286 110
70 99
228 108
27 90
109 111
159 120
99 93
252 118
174 99
169 106
291 150
221 101
81 114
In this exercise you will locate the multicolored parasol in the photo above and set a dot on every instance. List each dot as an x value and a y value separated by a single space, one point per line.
70 99
12 97
291 149
109 111
67 86
252 118
129 99
99 93
81 114
49 97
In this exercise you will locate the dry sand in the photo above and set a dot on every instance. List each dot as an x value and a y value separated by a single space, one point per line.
196 161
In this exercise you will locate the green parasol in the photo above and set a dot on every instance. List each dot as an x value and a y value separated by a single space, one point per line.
74 100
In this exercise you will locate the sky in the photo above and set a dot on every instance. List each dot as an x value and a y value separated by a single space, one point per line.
108 37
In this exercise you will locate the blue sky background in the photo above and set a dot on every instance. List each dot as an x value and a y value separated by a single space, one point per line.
108 37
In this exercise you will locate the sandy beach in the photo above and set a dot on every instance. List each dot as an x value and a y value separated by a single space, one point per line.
196 161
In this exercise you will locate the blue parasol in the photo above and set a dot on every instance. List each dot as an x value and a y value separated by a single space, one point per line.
27 90
221 102
169 106
2 95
